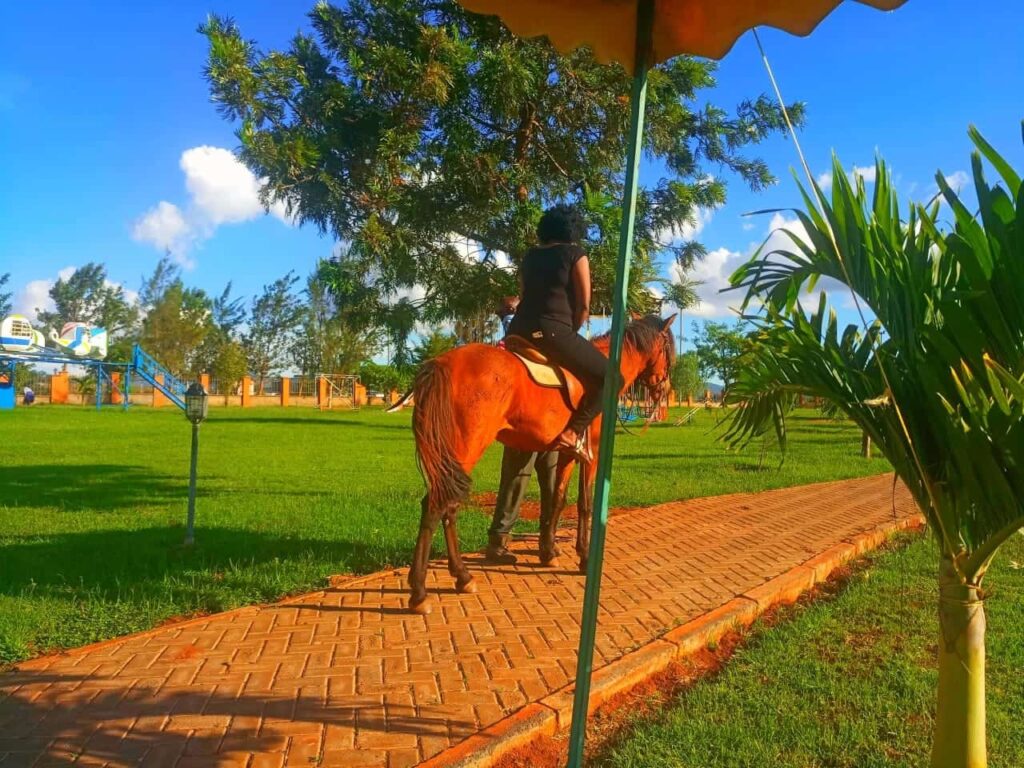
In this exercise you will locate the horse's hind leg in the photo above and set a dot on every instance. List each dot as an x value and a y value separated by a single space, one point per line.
549 523
463 579
418 602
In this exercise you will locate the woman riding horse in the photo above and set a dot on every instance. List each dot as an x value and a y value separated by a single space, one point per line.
554 304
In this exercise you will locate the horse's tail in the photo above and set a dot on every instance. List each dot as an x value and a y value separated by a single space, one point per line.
400 404
433 424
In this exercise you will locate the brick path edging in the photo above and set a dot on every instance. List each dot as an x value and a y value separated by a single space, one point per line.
553 713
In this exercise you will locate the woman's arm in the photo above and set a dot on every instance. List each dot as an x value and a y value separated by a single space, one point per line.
581 291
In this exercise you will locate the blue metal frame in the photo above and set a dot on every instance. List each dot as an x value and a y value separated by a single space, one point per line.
159 377
102 368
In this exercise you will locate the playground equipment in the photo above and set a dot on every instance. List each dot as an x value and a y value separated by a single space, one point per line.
84 346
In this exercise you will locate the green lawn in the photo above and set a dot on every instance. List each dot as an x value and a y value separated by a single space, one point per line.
846 683
93 506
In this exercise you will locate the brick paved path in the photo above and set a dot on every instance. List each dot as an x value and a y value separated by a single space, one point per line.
347 677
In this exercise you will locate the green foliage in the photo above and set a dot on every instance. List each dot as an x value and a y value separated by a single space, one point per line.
99 498
328 341
226 315
87 296
384 378
273 327
720 347
5 296
177 318
411 130
229 366
949 337
686 376
437 342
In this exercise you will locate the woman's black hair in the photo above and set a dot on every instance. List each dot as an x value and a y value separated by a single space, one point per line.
561 223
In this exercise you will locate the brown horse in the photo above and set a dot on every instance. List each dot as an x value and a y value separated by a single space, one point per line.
473 395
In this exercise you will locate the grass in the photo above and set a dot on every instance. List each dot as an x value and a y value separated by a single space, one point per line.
846 683
93 506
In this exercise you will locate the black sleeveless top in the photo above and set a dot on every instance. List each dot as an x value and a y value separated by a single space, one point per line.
548 294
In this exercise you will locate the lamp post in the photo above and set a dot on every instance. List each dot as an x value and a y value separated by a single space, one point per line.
196 407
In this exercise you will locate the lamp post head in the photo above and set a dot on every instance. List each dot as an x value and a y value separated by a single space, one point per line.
196 403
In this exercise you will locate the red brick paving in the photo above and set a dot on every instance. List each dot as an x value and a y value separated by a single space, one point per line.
347 678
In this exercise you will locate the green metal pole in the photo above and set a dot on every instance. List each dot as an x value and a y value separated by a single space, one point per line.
602 486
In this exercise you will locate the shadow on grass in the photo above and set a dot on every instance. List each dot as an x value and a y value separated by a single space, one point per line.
313 422
154 561
88 486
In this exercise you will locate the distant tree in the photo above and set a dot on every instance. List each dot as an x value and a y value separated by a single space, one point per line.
177 319
227 314
430 139
719 348
273 323
436 343
383 378
327 340
5 296
229 366
686 378
479 329
87 296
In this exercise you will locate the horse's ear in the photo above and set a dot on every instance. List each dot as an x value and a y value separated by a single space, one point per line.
666 325
635 316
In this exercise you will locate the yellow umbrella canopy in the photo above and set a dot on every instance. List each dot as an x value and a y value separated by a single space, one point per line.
700 27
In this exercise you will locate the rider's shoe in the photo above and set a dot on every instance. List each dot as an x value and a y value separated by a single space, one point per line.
498 551
576 444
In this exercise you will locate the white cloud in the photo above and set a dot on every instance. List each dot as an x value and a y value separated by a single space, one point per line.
713 272
700 218
825 180
221 191
958 180
34 296
867 173
164 227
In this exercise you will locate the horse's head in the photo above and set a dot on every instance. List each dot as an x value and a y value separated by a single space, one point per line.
651 336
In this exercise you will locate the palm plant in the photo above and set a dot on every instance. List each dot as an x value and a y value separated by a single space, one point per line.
936 380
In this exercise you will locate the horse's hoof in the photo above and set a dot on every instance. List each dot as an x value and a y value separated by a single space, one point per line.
551 562
466 588
422 608
583 566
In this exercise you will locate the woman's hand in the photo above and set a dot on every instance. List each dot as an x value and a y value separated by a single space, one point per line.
581 291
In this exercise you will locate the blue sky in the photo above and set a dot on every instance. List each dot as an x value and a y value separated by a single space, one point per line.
104 116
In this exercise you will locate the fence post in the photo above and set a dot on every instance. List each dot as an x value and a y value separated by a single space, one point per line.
246 391
59 388
286 391
159 401
321 392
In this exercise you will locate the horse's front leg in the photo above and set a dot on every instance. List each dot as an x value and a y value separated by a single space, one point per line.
551 512
463 580
585 503
584 511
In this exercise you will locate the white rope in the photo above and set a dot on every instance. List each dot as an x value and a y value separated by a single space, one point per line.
819 197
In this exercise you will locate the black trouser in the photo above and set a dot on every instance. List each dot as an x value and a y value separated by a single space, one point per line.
568 349
516 468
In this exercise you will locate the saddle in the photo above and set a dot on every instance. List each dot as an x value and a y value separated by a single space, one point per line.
543 372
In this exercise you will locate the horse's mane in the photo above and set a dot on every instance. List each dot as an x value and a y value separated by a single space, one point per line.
644 335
